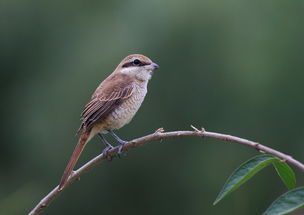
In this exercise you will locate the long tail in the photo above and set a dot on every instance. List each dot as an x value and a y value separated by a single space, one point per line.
83 139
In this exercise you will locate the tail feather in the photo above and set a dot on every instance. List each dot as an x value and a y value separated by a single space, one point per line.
73 160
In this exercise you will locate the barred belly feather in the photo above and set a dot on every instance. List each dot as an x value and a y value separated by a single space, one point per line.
124 113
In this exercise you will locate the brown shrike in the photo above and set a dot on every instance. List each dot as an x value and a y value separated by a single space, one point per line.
113 105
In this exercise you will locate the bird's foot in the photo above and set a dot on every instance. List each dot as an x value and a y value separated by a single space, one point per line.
120 147
106 151
121 142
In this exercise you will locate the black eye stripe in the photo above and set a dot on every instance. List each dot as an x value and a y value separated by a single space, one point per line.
140 63
136 62
128 64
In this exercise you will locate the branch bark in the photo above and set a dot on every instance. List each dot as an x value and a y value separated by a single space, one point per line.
159 135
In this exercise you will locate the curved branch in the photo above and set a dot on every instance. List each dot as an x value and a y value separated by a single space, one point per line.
159 135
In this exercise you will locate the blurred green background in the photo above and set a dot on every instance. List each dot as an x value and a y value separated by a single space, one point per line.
233 67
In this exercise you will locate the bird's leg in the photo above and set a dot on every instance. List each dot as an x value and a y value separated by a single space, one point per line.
117 138
107 144
121 142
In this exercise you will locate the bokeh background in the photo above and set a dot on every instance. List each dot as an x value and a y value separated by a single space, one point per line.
233 67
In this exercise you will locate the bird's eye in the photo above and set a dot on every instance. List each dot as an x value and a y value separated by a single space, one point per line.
136 62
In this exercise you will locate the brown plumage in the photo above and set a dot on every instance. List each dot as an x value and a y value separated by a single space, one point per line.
113 104
107 96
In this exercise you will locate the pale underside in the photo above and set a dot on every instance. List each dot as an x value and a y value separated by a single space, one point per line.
123 113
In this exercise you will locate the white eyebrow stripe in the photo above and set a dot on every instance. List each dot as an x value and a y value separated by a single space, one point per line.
133 58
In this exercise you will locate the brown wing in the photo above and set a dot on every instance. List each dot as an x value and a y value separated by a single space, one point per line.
105 99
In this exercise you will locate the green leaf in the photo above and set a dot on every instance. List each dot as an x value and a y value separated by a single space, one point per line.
243 173
286 173
287 202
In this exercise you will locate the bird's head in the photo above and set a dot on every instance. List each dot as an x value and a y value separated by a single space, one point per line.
137 66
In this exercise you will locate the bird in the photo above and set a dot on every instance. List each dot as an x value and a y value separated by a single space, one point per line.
113 105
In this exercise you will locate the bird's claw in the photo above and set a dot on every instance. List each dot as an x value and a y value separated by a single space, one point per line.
120 148
106 152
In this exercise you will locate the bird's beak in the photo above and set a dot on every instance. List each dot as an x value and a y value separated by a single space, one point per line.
152 66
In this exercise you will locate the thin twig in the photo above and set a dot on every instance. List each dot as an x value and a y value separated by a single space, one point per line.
159 135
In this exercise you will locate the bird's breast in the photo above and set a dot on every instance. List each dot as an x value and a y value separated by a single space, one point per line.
124 113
